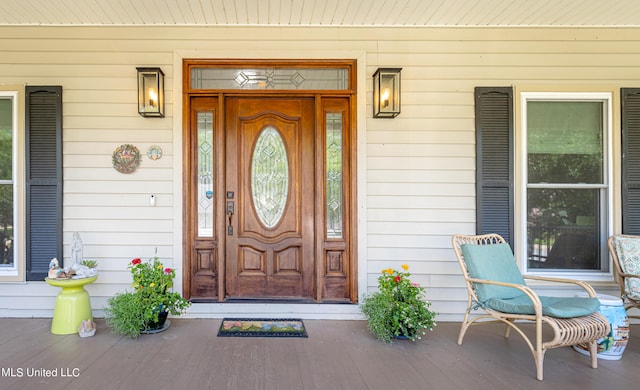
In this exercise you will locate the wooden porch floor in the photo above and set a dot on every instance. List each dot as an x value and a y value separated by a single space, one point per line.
337 355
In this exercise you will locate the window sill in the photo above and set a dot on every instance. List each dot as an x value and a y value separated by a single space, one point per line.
593 278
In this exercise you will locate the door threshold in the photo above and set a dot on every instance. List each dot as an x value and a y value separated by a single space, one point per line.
271 300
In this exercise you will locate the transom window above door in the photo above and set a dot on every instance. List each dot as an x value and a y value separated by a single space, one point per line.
270 78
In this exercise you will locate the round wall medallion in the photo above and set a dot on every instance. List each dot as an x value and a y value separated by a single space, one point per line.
154 152
126 158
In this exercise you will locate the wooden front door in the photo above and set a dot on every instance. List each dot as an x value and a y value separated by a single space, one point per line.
269 180
269 197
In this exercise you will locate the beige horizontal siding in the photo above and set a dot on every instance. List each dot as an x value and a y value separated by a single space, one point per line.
418 169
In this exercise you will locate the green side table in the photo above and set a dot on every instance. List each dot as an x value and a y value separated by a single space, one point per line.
72 304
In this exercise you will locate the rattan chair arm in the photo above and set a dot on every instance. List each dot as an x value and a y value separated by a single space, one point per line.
586 286
537 304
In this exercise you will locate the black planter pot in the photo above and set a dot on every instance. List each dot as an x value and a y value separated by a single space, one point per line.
156 325
160 325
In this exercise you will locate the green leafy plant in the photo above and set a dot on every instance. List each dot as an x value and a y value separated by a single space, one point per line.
126 314
131 312
399 308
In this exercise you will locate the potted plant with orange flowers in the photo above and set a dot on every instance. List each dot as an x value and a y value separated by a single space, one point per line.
399 308
147 306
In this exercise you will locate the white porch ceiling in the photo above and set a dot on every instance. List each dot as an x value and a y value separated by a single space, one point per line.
362 13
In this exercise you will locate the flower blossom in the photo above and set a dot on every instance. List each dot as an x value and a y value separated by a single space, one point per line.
405 267
136 261
397 279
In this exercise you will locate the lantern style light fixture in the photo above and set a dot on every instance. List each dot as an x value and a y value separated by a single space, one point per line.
151 92
386 93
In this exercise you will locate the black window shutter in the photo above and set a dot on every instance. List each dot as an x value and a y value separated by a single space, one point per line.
43 133
494 161
630 98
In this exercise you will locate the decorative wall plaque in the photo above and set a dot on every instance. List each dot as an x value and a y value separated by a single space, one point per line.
154 152
126 158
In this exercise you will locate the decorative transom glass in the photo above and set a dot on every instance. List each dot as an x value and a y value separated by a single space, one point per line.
269 177
270 78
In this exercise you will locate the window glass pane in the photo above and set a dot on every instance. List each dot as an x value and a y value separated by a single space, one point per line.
334 175
567 187
270 78
6 183
6 142
6 225
565 142
563 228
205 174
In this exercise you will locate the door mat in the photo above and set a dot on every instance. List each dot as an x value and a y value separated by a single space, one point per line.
262 327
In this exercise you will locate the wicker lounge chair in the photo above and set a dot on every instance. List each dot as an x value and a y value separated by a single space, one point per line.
496 286
625 252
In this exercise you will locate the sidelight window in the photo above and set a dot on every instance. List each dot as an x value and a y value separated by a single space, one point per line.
205 174
334 175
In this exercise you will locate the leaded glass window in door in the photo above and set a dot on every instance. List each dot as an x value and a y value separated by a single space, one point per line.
269 177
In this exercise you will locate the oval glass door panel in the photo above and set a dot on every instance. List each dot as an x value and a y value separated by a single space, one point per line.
269 177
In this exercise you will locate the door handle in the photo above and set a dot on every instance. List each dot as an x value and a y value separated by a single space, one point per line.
230 208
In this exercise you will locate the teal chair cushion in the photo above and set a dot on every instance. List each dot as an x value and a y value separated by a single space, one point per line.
559 307
492 262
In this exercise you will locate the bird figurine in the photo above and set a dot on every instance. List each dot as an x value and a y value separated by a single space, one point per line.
55 272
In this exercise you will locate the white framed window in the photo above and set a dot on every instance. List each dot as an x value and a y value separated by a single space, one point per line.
9 187
565 166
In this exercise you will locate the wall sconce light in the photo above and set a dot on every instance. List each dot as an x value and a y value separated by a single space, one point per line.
151 92
386 93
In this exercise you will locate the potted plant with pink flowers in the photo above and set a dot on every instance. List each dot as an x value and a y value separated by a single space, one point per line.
151 300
